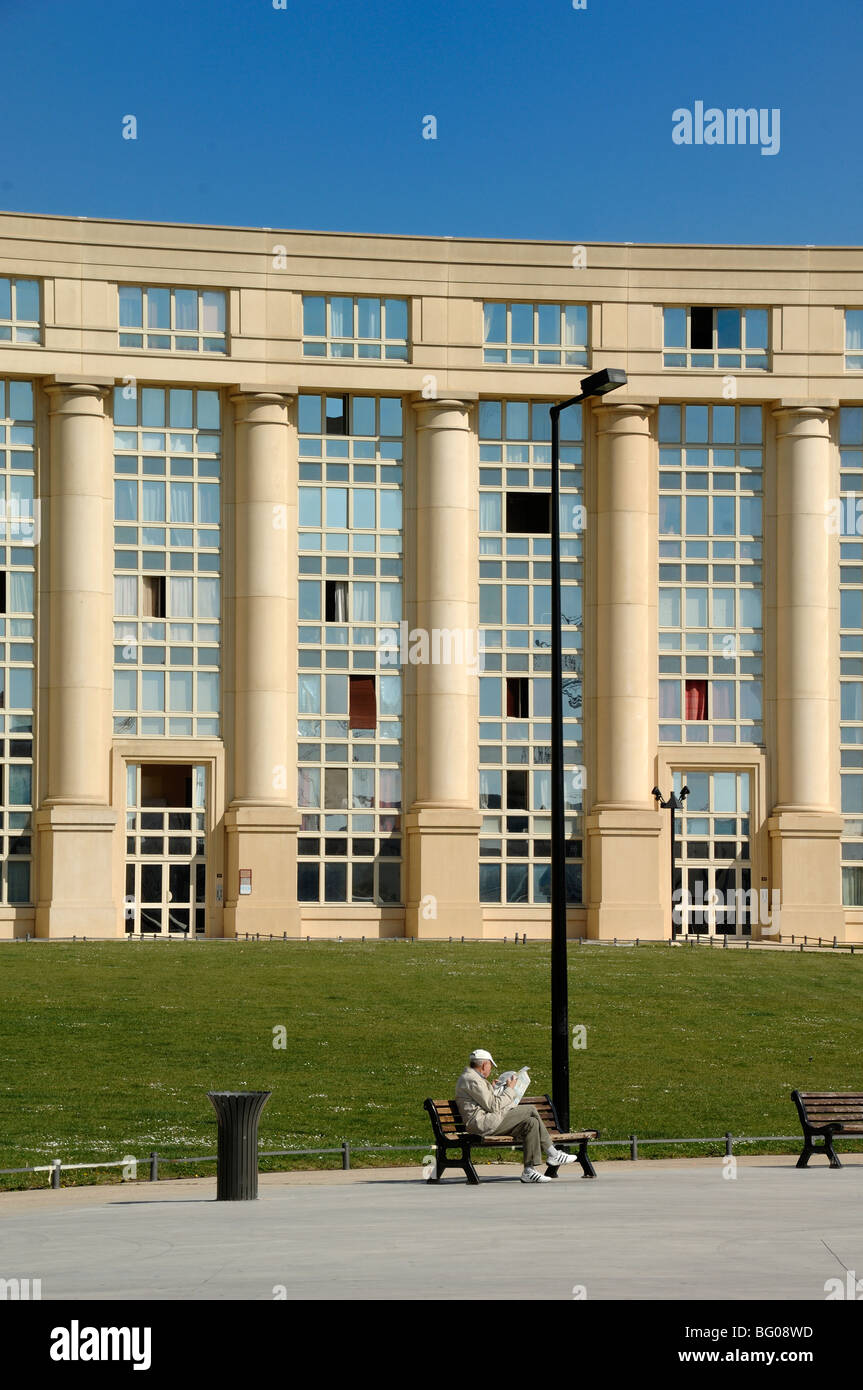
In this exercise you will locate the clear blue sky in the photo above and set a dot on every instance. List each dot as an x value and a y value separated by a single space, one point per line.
552 123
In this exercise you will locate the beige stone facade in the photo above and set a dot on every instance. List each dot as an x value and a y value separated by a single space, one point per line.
81 798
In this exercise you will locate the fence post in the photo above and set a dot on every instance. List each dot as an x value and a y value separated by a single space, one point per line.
633 1147
346 1155
729 1144
55 1172
154 1166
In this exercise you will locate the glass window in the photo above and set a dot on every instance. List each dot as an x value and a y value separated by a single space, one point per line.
521 335
179 320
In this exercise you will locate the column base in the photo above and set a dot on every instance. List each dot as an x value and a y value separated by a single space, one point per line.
75 897
443 873
264 840
625 876
805 866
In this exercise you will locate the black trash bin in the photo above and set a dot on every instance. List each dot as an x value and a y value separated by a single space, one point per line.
238 1113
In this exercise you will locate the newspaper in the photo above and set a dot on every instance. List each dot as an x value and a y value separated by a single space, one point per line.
521 1084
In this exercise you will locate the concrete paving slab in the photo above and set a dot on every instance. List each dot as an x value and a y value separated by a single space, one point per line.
672 1229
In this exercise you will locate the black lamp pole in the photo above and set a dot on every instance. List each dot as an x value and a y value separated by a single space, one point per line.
598 384
673 804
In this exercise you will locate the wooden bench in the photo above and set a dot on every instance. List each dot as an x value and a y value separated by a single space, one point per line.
450 1133
825 1114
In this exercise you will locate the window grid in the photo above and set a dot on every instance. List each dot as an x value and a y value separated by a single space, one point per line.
340 326
714 855
19 311
710 575
515 621
17 634
350 534
166 863
531 335
172 320
851 650
166 551
738 339
854 340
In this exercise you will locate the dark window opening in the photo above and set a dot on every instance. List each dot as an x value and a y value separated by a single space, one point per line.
336 415
516 791
517 697
696 700
166 784
701 328
336 600
363 708
154 596
528 513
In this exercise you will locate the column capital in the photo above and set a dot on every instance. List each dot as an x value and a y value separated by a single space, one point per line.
444 412
804 417
69 392
262 404
625 417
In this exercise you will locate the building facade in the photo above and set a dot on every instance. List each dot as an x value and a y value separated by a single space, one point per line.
275 584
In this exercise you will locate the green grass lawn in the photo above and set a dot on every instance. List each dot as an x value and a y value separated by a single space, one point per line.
109 1049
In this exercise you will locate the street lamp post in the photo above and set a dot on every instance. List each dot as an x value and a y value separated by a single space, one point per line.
673 804
598 384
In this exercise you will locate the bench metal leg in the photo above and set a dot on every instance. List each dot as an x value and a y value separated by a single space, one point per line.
826 1149
466 1163
587 1167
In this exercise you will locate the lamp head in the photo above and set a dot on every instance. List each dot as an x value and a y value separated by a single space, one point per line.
600 383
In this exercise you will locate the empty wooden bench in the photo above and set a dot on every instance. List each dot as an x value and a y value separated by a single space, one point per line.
450 1133
825 1114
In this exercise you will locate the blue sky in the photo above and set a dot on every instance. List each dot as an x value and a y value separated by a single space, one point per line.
552 123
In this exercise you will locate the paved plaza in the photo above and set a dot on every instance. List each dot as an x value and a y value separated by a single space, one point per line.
669 1229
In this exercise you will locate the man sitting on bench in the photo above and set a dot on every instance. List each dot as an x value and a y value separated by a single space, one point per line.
485 1112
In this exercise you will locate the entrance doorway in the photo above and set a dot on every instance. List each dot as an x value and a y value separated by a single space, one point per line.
166 865
713 863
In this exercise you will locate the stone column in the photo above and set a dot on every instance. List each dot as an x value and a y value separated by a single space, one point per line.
805 825
623 827
261 821
443 824
75 823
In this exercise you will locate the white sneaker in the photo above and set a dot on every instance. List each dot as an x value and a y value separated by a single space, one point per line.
531 1175
557 1158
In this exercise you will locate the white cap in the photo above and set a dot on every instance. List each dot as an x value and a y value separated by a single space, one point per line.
479 1054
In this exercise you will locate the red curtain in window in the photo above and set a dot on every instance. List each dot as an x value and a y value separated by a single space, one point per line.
696 700
363 710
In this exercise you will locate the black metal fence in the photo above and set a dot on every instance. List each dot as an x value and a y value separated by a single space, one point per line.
155 1160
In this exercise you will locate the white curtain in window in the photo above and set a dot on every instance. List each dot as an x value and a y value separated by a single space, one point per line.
153 500
20 593
363 599
208 598
341 318
854 330
340 603
181 504
309 695
489 511
180 598
309 787
126 595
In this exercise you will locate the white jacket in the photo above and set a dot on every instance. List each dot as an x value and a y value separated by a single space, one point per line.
482 1109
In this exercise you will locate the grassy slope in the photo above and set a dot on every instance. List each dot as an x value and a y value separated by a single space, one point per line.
110 1049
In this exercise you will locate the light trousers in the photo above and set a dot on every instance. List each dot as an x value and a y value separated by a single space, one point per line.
524 1124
